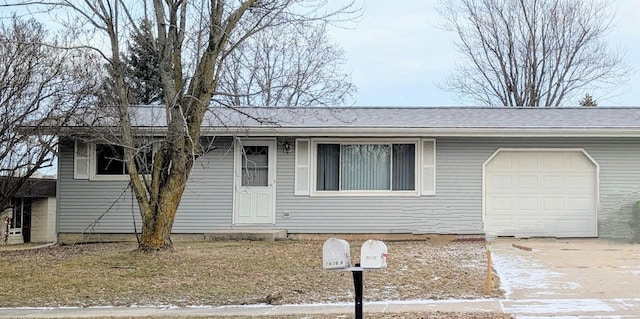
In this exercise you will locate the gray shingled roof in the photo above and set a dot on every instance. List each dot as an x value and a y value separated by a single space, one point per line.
283 120
441 117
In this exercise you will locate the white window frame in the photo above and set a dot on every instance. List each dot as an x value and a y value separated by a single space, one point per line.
314 171
93 160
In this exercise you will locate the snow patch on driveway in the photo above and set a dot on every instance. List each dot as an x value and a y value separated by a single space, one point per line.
518 273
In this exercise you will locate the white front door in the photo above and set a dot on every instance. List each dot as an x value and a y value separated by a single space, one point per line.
254 198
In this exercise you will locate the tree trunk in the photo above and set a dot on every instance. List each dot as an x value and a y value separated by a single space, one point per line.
157 223
156 232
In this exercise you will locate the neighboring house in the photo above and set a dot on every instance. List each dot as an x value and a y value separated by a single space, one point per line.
32 216
558 172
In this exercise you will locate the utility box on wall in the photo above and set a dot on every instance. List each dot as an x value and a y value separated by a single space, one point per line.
373 254
336 254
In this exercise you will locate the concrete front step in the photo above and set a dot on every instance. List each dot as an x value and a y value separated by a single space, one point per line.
247 234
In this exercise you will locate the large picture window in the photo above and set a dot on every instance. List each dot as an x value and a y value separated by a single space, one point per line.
366 167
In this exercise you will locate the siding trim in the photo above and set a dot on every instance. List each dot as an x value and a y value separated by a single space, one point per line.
581 150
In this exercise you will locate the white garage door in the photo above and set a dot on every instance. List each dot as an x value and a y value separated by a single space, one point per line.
541 193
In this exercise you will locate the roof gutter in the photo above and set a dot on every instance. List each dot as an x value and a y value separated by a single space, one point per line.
383 132
430 132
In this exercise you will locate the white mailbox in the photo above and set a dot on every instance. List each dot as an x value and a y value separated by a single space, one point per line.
373 254
336 254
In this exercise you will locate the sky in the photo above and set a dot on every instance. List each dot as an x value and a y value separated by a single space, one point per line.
397 55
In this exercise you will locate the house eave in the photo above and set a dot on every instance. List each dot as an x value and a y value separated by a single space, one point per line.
431 132
389 132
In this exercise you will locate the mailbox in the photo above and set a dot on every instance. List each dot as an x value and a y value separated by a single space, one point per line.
373 254
336 254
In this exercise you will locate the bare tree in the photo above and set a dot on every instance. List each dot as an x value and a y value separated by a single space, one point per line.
41 88
142 76
531 52
287 66
193 40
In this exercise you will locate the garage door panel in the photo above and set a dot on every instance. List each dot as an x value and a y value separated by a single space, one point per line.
527 204
574 228
526 183
581 205
500 182
497 204
579 164
525 162
553 204
541 194
581 182
553 182
513 225
502 162
553 162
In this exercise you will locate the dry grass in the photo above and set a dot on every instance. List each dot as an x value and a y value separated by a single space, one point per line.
223 273
404 315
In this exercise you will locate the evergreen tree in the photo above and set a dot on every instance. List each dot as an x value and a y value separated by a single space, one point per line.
141 76
588 100
142 65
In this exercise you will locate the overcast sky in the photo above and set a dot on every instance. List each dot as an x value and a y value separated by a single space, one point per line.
398 55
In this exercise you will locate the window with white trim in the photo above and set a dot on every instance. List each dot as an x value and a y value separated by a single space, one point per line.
363 167
110 160
106 162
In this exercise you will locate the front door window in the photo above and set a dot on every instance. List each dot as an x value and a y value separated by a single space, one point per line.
255 166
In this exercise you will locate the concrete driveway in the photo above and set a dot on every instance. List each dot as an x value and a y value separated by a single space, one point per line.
576 278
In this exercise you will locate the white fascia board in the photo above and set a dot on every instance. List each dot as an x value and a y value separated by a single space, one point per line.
398 132
433 132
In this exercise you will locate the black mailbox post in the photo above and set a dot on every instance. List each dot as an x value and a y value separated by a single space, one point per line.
357 285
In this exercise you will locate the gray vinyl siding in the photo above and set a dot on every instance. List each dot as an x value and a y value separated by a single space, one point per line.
84 206
455 209
457 206
206 204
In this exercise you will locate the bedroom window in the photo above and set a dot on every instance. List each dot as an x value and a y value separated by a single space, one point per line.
106 162
110 160
366 167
